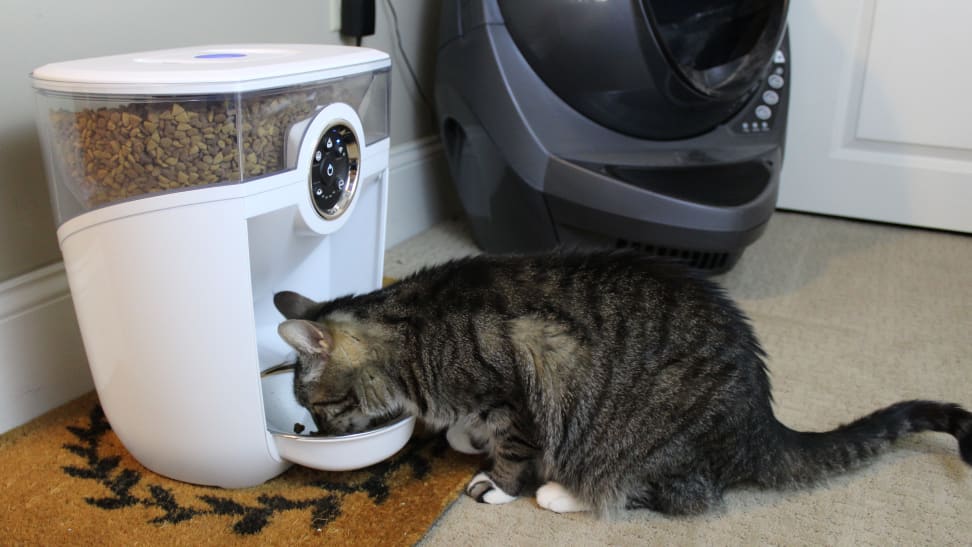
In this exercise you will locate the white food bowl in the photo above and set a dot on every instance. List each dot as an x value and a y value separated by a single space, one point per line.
338 453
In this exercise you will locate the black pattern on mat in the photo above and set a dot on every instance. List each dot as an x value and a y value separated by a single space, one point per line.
248 519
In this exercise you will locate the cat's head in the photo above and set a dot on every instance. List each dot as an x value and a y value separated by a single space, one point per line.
336 377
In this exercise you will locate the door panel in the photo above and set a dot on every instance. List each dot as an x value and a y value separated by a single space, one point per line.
880 110
914 80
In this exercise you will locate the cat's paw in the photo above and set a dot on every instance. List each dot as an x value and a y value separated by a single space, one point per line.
556 498
461 441
482 489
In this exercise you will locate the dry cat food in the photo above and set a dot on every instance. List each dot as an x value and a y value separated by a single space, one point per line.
375 423
117 152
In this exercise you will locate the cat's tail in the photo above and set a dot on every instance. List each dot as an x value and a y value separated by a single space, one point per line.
804 458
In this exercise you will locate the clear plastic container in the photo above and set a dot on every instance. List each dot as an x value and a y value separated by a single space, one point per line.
104 145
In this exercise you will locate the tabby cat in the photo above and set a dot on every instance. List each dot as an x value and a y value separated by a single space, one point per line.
607 379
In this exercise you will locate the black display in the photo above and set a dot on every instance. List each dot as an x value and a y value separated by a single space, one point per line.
613 61
332 169
719 46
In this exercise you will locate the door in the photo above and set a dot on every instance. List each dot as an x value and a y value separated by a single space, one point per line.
881 111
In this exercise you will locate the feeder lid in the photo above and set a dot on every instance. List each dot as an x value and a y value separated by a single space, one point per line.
208 69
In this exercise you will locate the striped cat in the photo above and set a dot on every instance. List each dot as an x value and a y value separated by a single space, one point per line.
601 381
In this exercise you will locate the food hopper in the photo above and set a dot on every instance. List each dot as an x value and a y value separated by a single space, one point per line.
190 185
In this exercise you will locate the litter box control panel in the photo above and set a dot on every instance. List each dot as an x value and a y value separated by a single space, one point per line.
771 94
334 171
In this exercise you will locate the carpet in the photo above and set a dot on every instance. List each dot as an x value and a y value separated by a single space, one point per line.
67 480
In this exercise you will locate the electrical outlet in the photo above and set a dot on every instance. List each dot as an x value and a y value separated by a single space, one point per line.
335 15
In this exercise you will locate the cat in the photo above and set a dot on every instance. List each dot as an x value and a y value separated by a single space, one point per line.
601 381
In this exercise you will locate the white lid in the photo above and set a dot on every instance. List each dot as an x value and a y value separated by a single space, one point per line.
208 69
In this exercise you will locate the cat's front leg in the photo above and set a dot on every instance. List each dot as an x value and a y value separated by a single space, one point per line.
482 489
503 483
468 436
513 470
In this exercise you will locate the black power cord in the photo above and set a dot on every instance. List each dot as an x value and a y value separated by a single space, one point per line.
408 64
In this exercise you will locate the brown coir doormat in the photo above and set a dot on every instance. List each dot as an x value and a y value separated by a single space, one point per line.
67 480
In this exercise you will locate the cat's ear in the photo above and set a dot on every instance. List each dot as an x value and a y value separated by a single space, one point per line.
293 305
307 336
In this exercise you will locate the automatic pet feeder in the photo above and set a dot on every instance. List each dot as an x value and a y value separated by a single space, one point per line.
190 185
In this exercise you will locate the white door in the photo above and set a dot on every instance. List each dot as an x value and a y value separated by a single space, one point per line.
880 123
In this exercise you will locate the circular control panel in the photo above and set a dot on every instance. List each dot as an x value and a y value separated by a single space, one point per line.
334 171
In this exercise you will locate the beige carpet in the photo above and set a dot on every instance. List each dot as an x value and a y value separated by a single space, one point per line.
854 316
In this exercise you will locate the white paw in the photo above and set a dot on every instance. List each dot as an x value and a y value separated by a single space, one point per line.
556 498
483 489
460 440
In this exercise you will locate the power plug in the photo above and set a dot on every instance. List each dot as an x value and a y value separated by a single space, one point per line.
357 18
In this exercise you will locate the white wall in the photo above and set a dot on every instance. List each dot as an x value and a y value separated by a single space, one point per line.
41 360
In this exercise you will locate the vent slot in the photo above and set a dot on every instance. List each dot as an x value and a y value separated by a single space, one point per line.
701 260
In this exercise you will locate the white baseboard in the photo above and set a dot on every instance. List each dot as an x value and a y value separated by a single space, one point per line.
42 360
419 192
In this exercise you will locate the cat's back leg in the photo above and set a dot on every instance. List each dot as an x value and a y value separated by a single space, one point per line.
556 498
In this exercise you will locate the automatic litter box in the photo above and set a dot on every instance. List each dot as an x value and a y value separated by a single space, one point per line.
190 185
651 125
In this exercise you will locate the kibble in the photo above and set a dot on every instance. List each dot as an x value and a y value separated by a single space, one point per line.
114 153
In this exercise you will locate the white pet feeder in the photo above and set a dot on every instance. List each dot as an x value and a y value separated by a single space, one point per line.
189 186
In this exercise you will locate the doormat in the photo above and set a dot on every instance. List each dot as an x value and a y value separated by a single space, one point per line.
67 480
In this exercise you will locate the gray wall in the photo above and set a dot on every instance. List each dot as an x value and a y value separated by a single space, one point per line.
35 32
